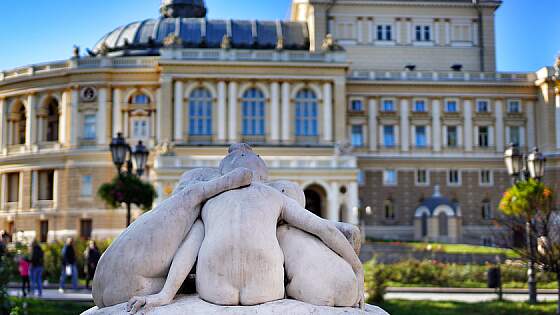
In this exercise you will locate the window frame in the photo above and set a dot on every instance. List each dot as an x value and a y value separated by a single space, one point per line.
393 102
386 181
393 136
423 33
303 102
519 106
483 142
488 106
204 126
417 177
351 108
447 142
446 108
459 178
481 176
89 126
83 185
253 124
360 136
386 32
425 105
139 119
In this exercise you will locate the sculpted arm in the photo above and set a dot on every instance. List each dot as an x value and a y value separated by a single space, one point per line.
327 231
183 261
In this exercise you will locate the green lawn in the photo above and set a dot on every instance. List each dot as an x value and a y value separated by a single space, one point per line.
463 249
399 307
40 307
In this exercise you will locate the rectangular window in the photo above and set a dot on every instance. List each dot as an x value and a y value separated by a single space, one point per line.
451 106
89 127
390 178
462 33
454 177
483 137
140 128
43 231
388 106
389 136
423 33
86 186
361 178
487 213
13 187
514 107
515 135
421 138
384 32
452 136
420 106
346 31
482 107
357 136
356 106
46 184
86 227
486 177
422 178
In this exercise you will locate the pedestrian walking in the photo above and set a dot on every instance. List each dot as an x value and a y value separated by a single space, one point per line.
37 265
91 255
23 266
69 268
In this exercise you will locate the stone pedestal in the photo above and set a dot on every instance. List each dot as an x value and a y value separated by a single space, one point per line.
193 305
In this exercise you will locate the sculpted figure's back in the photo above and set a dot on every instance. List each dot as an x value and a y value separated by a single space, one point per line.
240 229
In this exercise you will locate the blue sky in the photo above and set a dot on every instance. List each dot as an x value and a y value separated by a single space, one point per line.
37 31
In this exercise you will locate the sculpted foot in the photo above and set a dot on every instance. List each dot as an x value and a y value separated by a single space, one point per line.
138 303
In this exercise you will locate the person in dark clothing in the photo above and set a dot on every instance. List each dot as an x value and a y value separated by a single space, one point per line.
69 267
37 262
91 256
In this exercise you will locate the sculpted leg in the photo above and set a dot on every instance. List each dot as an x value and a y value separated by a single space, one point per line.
182 264
352 234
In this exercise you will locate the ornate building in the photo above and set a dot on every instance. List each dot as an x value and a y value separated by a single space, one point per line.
393 106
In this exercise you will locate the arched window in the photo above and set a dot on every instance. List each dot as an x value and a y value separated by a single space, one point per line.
307 110
253 112
140 99
52 121
389 209
200 113
443 224
20 125
424 224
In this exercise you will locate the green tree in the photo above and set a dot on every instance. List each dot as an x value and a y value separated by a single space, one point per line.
129 189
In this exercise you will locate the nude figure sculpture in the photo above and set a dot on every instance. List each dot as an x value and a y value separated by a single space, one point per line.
315 274
240 228
158 245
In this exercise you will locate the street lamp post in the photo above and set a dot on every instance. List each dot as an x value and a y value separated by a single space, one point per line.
522 167
137 157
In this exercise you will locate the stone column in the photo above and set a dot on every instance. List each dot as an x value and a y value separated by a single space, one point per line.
468 129
4 190
274 112
3 126
557 118
165 110
222 112
56 194
436 122
232 112
409 32
327 113
159 112
360 31
34 188
126 127
531 128
63 122
405 125
340 123
372 122
101 120
475 33
353 203
436 32
499 110
117 112
40 121
397 37
334 203
74 118
178 113
447 32
30 132
286 101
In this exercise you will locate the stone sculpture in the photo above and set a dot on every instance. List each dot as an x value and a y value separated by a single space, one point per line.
244 239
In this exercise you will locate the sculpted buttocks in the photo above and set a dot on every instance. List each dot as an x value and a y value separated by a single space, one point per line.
139 260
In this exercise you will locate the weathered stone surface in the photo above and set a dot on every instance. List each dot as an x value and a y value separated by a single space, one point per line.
193 305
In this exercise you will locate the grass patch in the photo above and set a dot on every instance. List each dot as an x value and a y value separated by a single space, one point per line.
464 249
41 307
400 307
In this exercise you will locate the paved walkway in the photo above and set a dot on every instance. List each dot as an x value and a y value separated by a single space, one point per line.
415 294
